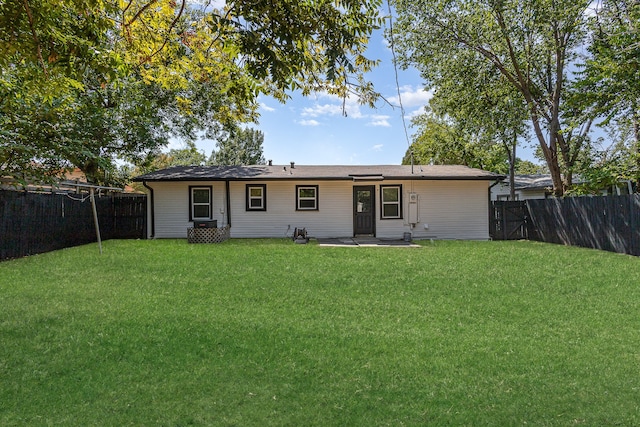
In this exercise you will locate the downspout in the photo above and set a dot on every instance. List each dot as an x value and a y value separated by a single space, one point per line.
228 203
153 216
493 185
490 210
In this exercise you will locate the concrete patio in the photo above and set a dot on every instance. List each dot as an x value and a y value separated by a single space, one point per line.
366 241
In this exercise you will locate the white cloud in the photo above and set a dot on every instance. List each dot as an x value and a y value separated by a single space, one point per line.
416 112
349 109
352 109
265 107
412 97
309 123
379 120
322 110
377 147
337 106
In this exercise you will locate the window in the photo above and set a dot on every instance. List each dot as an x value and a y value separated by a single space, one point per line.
200 201
256 197
391 201
306 197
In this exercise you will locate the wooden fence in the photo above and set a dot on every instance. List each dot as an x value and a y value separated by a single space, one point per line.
508 220
610 223
35 223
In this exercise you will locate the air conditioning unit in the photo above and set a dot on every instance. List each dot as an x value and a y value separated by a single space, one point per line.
205 224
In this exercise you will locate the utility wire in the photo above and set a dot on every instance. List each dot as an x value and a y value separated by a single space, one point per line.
395 69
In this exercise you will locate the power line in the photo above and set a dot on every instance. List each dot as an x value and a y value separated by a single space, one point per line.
395 69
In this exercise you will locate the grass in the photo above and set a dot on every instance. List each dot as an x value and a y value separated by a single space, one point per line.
265 332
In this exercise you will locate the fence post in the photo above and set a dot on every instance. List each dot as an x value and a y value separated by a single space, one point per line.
633 225
95 219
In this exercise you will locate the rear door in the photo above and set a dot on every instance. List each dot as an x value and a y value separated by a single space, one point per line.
363 210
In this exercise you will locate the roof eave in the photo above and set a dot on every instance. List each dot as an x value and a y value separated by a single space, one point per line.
326 178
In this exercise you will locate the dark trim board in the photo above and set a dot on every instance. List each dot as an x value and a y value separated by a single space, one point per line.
353 173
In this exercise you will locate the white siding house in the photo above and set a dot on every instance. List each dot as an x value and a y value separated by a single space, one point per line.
440 202
526 187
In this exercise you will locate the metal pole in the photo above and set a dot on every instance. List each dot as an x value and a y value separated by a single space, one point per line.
95 219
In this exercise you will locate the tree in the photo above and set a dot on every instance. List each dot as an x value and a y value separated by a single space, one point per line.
530 43
485 105
187 156
609 87
92 127
441 141
526 167
59 60
283 45
50 43
241 147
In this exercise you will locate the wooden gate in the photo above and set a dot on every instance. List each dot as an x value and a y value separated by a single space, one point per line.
509 220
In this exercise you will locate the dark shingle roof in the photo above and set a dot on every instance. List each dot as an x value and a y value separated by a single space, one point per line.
307 172
532 182
537 182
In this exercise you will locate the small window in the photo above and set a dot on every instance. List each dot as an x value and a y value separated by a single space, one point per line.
307 197
256 197
200 203
391 204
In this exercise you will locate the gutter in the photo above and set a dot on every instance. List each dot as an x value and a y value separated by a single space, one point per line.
153 216
489 205
336 178
494 184
228 203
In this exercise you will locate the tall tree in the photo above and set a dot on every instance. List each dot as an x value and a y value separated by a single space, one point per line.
530 43
189 155
241 147
282 45
443 141
68 66
609 86
485 104
91 127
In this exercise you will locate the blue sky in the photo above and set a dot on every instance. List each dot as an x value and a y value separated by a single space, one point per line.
312 130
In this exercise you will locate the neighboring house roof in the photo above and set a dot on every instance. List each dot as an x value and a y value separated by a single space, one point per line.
73 180
532 182
73 175
306 172
537 182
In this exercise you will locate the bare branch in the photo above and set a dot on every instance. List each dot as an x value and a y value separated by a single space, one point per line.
34 35
141 11
173 24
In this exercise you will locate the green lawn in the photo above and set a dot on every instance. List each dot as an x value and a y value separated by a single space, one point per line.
267 332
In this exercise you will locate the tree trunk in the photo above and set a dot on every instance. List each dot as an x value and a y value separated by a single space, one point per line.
556 177
550 153
511 154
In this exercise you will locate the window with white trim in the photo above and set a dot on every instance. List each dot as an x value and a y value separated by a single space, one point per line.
256 197
391 201
200 203
306 197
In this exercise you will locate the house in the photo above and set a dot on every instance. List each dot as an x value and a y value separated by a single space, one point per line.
440 202
526 187
67 181
529 187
